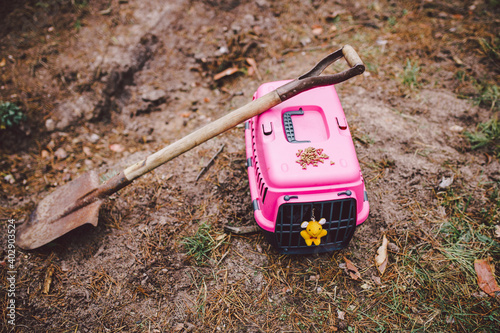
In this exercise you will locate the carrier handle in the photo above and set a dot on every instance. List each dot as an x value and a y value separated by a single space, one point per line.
312 79
288 125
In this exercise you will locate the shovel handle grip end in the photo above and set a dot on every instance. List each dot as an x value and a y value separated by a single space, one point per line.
313 79
352 57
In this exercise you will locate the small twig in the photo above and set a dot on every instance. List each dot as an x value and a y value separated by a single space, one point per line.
307 49
220 260
242 230
205 168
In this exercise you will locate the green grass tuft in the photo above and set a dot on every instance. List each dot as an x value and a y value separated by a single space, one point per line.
411 74
487 136
10 115
489 95
200 245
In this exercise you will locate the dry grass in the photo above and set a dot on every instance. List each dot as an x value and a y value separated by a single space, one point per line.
430 284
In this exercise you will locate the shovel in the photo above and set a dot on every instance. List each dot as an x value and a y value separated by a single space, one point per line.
78 201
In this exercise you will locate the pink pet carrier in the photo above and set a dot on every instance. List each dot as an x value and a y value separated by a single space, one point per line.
306 185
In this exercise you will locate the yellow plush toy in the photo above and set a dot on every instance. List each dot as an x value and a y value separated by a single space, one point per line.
313 231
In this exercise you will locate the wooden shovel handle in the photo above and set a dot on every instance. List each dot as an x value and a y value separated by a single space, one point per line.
203 134
305 82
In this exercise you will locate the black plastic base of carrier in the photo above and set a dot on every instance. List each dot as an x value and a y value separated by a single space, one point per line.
271 238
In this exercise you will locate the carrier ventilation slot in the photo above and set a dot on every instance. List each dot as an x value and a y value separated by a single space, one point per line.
261 185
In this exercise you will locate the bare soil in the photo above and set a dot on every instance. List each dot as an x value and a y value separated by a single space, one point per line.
105 83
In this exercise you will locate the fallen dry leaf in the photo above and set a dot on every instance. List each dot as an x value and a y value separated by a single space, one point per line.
2 62
317 30
446 182
48 280
341 315
44 154
377 280
251 62
117 148
456 128
488 157
480 294
61 154
314 278
106 11
87 151
458 61
497 231
352 270
227 72
178 327
220 237
485 271
393 247
251 71
381 258
253 68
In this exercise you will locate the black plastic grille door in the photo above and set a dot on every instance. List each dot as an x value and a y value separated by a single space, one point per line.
340 224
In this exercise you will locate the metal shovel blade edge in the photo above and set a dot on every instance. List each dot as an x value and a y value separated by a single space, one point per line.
51 219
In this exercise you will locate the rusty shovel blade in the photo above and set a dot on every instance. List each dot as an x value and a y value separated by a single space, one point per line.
56 214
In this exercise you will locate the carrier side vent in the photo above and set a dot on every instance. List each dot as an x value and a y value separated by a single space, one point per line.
258 175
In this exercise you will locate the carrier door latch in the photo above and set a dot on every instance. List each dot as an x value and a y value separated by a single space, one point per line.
342 123
267 128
